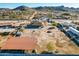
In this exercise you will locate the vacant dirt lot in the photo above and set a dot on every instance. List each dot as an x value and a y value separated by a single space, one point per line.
49 40
58 40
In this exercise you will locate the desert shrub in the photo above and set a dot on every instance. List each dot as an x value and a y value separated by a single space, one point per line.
50 46
48 31
5 33
54 24
66 14
50 15
46 52
34 51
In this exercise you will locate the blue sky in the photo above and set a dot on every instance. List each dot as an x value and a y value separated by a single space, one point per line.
13 5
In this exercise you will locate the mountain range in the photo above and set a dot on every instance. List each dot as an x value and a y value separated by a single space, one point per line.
56 8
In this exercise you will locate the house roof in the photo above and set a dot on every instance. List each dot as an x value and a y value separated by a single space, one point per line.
20 43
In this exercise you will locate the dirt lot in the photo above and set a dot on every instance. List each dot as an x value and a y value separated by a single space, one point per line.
49 40
58 41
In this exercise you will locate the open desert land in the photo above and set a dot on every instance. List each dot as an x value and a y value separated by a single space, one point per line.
55 41
40 30
52 40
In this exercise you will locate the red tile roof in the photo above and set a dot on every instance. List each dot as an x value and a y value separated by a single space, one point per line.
21 43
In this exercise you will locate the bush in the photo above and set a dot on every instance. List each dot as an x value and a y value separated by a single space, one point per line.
34 51
46 52
51 28
50 46
48 31
54 24
66 14
5 33
50 15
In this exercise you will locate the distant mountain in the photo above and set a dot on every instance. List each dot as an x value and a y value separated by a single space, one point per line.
5 9
21 8
57 8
